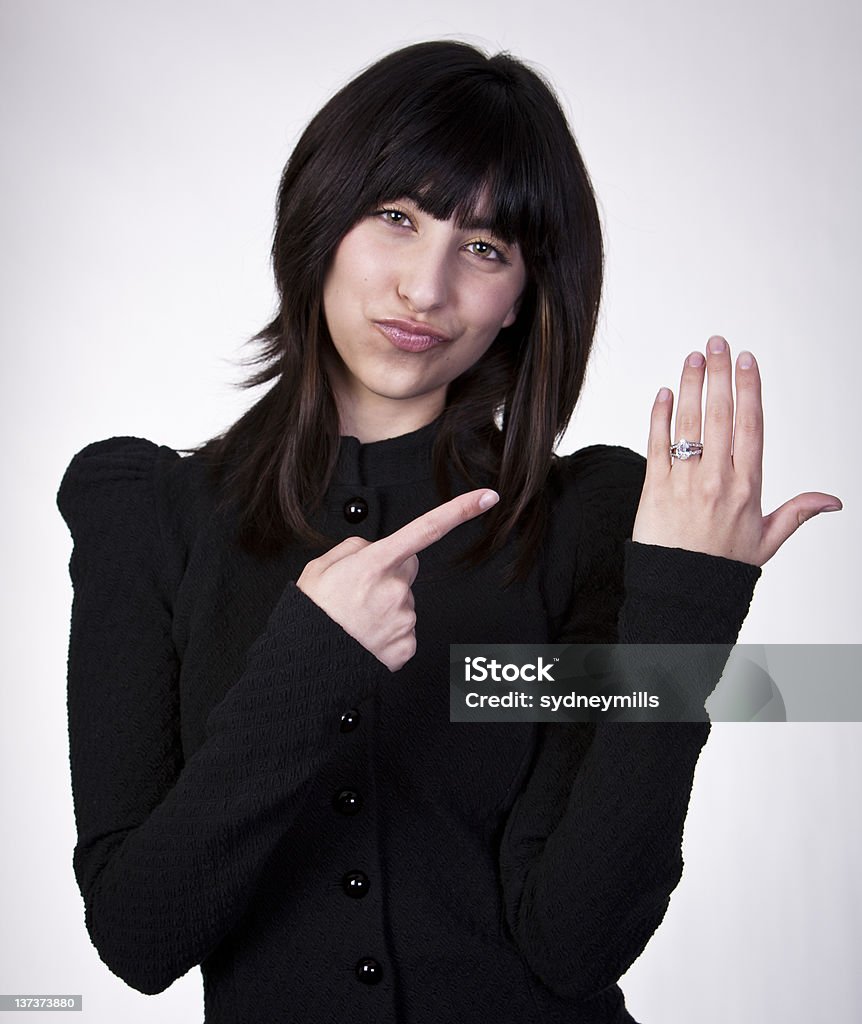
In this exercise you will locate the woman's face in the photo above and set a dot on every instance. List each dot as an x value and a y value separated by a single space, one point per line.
412 302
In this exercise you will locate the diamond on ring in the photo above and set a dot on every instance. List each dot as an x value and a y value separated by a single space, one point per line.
683 450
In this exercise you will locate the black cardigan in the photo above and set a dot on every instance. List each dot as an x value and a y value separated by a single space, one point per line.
254 792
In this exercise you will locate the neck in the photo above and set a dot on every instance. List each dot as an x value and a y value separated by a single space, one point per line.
377 421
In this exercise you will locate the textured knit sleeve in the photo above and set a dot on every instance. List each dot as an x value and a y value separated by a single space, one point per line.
168 852
592 847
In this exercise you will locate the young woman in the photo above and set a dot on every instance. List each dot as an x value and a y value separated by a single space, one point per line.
266 780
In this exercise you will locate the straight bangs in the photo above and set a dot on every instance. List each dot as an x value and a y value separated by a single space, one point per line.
466 177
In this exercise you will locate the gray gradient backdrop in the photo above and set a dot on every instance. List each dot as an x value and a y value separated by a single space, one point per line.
142 148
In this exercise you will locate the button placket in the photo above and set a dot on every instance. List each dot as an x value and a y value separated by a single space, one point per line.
356 884
348 801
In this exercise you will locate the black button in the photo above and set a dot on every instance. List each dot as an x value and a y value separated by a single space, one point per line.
348 801
369 971
349 720
355 510
355 884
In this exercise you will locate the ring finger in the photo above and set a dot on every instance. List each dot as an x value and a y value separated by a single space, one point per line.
718 418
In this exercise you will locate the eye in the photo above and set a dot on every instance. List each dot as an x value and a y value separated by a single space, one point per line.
486 251
392 215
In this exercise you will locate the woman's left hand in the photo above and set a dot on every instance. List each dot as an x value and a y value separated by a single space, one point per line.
711 502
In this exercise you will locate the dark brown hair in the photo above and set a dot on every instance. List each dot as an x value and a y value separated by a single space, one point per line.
449 127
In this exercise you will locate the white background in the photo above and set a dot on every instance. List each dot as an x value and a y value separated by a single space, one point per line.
142 148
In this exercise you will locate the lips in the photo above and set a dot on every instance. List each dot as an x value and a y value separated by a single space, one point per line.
411 336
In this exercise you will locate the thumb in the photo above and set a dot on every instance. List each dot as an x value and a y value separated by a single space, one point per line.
787 518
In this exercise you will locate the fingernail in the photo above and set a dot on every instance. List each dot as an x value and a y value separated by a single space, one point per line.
717 344
696 359
745 360
663 394
488 500
831 508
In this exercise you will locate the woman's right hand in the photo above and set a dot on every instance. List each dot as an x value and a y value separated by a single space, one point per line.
364 585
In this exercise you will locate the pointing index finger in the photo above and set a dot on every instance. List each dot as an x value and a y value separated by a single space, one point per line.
433 525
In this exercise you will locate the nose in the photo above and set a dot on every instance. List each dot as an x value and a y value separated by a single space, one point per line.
423 275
